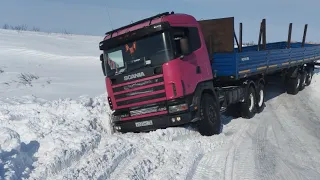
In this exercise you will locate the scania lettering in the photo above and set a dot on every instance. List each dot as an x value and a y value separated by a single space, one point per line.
171 69
133 76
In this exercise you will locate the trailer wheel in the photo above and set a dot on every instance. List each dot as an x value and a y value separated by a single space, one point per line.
260 97
303 79
293 84
248 107
210 122
309 76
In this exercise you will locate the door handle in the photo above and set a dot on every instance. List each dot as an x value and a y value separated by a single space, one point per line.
198 70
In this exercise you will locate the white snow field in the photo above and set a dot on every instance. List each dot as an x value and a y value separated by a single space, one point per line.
54 124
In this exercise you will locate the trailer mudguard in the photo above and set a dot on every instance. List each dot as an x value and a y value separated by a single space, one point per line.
293 72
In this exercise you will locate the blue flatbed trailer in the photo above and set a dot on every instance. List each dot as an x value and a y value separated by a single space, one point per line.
240 73
249 62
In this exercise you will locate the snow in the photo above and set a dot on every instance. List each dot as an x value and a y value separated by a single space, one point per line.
32 63
54 124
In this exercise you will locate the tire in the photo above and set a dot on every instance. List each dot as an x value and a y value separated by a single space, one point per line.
302 84
293 85
309 76
260 98
210 122
248 107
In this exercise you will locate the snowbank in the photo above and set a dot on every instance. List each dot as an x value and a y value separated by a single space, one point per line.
58 132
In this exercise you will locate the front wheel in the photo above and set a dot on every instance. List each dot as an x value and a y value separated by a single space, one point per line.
210 122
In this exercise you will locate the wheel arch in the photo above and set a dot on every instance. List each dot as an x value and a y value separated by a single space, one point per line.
250 83
262 81
204 87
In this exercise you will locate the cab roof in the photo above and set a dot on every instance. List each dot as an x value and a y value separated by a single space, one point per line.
171 18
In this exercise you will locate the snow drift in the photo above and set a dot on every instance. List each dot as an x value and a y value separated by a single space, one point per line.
54 124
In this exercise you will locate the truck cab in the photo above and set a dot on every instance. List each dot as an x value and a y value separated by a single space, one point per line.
153 69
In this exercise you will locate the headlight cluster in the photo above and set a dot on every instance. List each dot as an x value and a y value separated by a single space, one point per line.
177 108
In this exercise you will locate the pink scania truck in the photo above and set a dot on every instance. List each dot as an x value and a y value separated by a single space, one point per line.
170 69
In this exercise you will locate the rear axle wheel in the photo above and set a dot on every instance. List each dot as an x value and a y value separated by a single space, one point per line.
248 107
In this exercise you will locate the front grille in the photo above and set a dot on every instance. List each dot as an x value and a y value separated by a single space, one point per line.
137 84
140 92
141 99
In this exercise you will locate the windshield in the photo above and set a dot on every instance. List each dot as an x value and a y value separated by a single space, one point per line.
148 51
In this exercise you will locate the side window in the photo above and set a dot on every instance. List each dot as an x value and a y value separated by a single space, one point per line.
187 33
195 42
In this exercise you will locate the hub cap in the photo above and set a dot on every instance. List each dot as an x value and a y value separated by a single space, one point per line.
261 98
298 83
251 102
310 77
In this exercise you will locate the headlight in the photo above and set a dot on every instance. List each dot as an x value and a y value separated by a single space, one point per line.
177 108
115 118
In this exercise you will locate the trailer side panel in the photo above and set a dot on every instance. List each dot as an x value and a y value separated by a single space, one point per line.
248 63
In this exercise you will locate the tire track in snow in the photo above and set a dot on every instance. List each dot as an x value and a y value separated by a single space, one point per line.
194 166
272 162
100 162
150 155
268 160
139 164
183 154
133 156
299 139
312 122
230 159
311 160
218 163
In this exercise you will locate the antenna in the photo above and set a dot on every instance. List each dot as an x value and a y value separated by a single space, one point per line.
109 19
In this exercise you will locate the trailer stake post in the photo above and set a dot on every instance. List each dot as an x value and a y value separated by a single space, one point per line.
264 34
235 37
260 32
304 35
240 37
289 35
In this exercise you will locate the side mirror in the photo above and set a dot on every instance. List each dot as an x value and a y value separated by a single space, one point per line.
102 65
184 45
101 57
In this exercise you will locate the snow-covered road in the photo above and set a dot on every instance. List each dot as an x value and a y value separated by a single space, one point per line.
44 137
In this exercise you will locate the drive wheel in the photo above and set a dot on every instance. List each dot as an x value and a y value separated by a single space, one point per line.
303 80
293 85
260 98
248 107
210 122
309 76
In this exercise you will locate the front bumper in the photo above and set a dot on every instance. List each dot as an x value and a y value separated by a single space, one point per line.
152 123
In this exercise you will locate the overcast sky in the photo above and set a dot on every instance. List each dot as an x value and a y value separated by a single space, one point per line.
91 16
